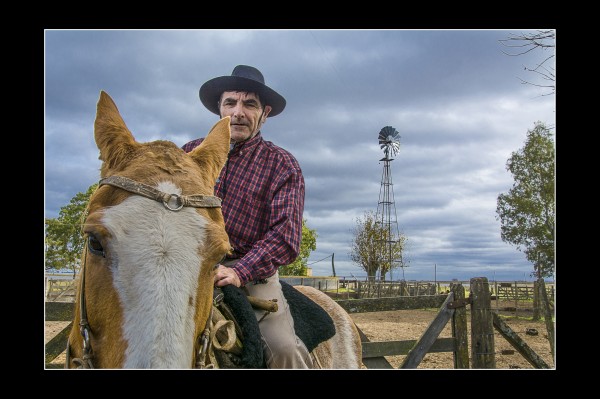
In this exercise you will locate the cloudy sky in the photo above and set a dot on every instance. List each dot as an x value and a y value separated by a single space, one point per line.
456 99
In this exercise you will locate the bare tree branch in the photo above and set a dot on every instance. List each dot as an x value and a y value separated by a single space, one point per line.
527 42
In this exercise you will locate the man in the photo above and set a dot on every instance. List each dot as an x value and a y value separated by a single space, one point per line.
262 189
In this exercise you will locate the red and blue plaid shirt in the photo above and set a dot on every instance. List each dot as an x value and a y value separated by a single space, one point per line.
262 189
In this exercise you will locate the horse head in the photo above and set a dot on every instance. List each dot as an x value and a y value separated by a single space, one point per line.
146 283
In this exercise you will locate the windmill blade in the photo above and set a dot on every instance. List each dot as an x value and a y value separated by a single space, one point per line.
387 134
389 140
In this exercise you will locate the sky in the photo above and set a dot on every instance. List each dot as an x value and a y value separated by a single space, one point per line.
459 102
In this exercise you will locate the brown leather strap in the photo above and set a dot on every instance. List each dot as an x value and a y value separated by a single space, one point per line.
173 202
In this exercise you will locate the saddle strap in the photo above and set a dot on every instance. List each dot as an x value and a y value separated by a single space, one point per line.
223 337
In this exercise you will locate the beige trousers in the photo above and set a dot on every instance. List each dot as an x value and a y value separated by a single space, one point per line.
282 348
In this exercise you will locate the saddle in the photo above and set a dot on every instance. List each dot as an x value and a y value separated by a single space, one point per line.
236 340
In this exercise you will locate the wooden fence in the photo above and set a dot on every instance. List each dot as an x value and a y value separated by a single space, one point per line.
452 310
381 289
342 287
518 291
60 290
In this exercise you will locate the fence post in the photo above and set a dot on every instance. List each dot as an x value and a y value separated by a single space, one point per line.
547 315
537 306
516 291
459 329
497 294
482 325
403 289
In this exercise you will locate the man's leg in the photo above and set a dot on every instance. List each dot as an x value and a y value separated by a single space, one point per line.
283 349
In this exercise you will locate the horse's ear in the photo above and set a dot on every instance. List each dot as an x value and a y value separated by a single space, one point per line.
211 154
113 138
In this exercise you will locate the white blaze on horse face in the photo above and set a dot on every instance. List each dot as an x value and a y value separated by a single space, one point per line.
156 264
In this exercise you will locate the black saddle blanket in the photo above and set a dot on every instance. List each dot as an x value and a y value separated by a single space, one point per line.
312 323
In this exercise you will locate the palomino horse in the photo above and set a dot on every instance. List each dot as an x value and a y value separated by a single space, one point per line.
154 233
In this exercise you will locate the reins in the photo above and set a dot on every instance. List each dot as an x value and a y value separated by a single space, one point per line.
85 361
134 187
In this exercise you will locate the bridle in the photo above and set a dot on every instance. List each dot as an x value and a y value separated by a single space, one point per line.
173 202
195 201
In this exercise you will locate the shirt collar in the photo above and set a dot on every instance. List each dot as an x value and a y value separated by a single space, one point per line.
247 145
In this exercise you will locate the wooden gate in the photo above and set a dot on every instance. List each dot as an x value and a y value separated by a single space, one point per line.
453 310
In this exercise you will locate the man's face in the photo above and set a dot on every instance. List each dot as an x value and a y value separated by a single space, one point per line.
245 112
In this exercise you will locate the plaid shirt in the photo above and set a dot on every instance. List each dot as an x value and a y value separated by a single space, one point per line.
262 189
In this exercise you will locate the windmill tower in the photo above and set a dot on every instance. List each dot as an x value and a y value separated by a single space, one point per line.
389 142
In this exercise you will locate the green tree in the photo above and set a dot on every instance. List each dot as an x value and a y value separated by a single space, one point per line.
369 247
64 239
307 245
528 211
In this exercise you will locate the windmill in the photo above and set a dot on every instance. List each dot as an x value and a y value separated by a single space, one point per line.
389 142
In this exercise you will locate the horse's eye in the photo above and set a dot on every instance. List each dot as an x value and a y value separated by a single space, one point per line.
95 246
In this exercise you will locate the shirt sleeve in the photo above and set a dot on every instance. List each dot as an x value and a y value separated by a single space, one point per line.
281 244
190 145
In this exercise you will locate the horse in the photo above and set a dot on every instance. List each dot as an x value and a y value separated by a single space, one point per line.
153 234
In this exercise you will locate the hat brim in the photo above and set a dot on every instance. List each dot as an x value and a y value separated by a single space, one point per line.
210 93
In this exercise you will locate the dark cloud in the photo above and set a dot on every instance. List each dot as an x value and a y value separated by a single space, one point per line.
455 98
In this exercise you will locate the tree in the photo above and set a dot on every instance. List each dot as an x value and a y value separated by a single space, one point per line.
369 247
308 244
528 211
64 239
543 40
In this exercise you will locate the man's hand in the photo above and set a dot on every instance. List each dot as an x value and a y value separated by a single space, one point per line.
225 276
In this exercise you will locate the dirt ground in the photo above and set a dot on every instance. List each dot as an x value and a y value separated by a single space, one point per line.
411 324
401 325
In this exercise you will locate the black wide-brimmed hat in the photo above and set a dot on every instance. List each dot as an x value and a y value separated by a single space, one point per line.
243 78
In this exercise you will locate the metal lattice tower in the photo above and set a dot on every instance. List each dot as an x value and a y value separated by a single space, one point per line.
389 141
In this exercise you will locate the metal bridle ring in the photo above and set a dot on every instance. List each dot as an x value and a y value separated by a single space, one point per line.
179 202
86 337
